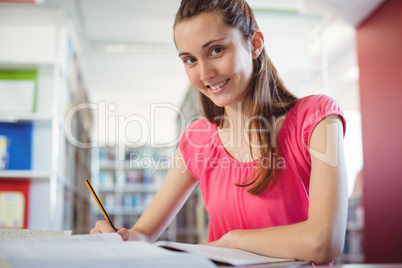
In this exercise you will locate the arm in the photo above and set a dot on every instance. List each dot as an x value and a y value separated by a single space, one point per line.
176 188
320 238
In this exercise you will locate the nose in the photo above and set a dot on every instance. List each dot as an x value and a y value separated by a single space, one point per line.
207 71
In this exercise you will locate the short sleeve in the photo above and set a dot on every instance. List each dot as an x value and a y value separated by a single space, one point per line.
195 144
312 110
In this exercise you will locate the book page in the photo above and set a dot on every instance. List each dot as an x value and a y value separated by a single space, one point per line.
224 255
9 234
106 237
69 252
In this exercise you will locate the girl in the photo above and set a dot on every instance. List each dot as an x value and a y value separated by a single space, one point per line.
270 166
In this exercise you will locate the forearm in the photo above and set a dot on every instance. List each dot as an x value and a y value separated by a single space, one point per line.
297 241
135 235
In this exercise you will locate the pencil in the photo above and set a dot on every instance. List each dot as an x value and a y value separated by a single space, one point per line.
99 204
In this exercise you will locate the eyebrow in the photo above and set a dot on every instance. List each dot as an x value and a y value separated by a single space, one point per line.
203 46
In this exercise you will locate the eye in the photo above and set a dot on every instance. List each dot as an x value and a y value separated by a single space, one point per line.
216 50
190 61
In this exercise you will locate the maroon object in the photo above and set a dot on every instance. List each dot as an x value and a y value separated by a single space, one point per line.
379 42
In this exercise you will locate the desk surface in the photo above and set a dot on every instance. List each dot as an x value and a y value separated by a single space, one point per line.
288 265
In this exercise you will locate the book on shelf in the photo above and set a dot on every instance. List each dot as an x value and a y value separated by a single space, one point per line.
4 147
133 176
106 250
19 144
132 200
106 179
12 209
18 91
109 201
14 203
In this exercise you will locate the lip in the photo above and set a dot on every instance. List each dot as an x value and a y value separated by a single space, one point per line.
219 90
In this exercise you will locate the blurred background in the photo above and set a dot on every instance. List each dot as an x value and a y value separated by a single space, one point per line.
94 89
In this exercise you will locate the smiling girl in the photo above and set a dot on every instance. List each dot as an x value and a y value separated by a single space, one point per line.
270 166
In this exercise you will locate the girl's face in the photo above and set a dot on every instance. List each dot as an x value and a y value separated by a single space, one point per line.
216 57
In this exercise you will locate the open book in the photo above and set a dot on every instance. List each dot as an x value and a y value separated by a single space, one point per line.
109 250
223 255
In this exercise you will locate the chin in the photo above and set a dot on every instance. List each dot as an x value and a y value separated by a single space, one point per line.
220 104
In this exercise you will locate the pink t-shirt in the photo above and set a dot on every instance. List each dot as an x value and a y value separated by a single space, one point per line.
230 207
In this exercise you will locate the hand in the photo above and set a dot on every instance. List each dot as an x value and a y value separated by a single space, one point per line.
226 241
126 235
102 227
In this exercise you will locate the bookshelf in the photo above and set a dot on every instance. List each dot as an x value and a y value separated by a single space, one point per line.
192 219
353 251
126 186
35 39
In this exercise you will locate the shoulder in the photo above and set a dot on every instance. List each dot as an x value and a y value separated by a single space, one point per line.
311 110
199 132
197 141
319 103
201 123
198 135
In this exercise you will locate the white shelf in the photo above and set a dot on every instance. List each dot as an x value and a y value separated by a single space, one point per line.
57 199
113 165
141 188
23 174
118 184
356 199
354 227
16 65
121 211
134 188
352 258
107 189
13 118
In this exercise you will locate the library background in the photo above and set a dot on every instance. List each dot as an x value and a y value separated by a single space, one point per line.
69 80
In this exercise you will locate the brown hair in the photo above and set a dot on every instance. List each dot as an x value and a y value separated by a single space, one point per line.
266 97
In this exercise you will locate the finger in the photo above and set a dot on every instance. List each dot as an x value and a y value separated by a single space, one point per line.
123 232
94 231
104 227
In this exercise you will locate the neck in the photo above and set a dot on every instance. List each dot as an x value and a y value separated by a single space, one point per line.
235 116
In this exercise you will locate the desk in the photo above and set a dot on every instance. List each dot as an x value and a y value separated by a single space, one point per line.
397 265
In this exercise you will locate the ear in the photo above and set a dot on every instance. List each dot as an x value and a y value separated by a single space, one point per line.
257 43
